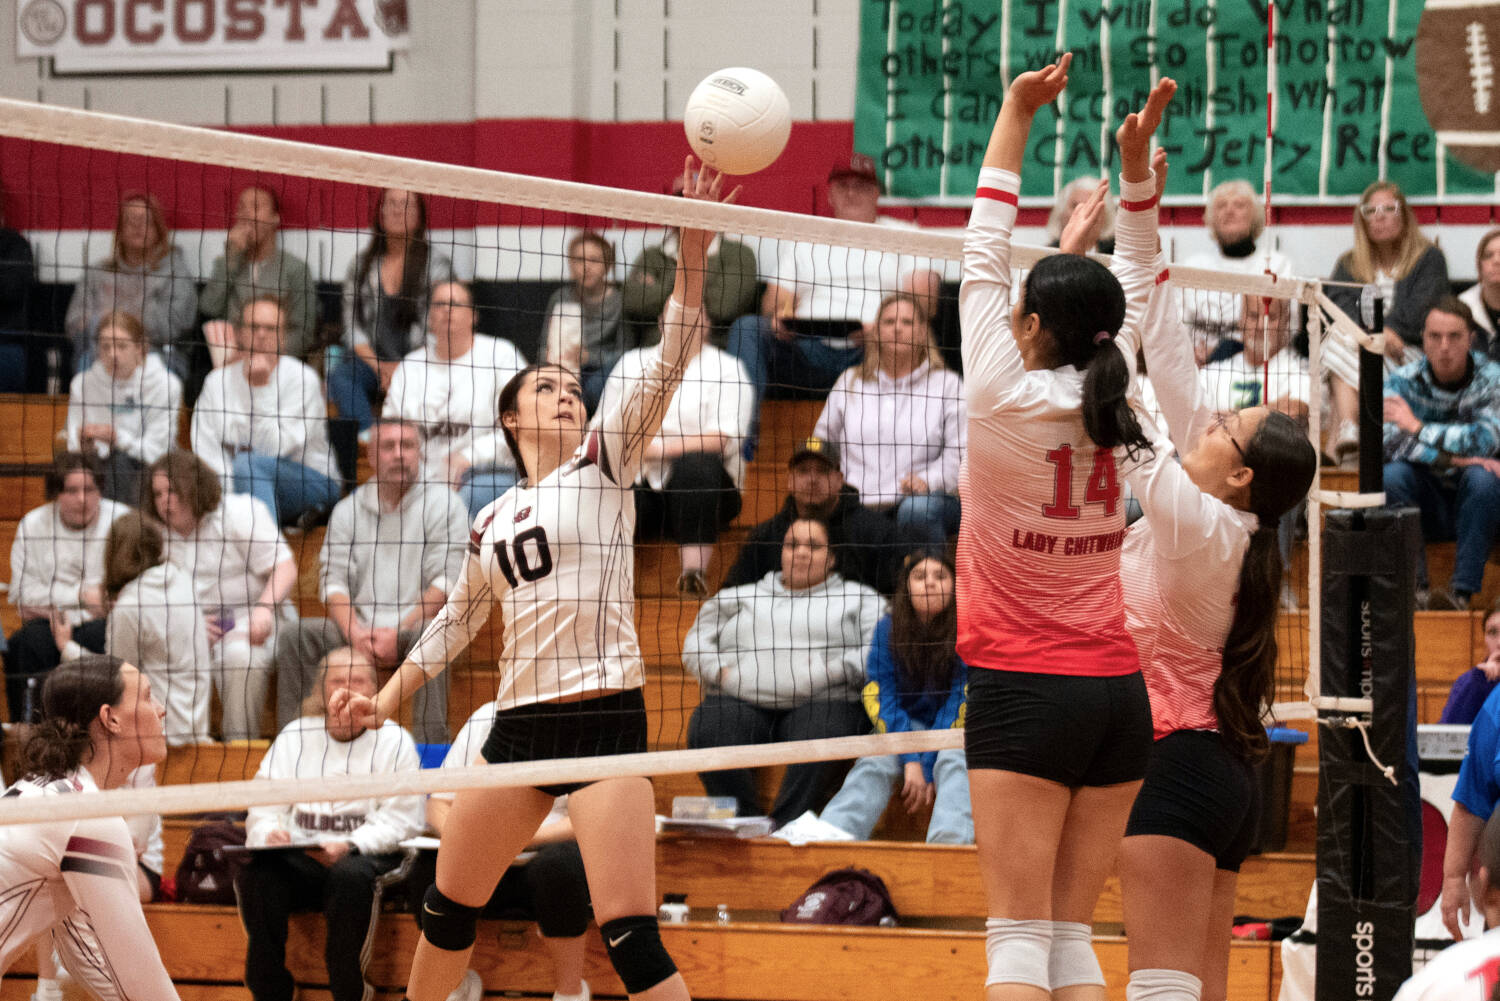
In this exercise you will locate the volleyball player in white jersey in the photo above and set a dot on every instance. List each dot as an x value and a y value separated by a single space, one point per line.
1059 728
75 880
1202 579
555 553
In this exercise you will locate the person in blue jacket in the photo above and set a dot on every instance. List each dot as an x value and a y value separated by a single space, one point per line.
915 682
1474 686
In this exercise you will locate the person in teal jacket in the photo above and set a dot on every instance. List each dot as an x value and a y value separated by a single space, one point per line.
915 682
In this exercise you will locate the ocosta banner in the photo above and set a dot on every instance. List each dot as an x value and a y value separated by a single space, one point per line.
156 36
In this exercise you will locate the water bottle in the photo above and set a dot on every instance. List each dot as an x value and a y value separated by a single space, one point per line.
31 703
723 914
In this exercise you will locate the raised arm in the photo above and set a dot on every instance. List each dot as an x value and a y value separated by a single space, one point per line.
1136 239
992 362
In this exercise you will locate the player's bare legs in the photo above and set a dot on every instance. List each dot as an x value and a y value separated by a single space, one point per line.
1085 858
1167 888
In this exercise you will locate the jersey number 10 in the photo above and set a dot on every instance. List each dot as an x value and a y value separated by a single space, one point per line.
530 571
1103 485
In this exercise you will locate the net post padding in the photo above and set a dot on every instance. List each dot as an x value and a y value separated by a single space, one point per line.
1369 828
237 795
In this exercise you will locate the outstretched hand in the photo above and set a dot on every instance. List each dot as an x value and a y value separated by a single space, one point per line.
1081 234
701 182
1159 167
1135 132
1031 90
352 713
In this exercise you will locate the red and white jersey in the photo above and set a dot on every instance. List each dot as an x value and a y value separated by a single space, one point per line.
1043 515
1181 564
1465 971
557 553
74 882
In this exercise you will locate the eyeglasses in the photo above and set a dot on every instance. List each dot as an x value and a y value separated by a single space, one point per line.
1384 208
1221 421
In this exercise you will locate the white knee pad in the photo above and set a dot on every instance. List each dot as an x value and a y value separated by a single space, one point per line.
1017 951
1163 985
1072 962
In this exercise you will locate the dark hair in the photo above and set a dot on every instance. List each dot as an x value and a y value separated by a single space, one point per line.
924 651
133 547
189 477
65 464
607 249
413 291
71 699
1076 300
509 393
1283 461
1453 306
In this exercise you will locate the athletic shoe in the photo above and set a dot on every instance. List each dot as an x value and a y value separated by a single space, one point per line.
1346 445
470 988
1440 599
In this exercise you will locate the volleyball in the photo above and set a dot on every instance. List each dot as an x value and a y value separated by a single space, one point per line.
738 120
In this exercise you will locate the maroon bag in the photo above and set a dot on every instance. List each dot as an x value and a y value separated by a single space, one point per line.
844 897
206 874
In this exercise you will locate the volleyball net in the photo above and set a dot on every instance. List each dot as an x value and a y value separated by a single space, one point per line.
292 526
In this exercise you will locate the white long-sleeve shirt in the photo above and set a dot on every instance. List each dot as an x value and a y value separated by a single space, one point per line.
1039 544
1233 384
455 403
305 750
156 625
51 564
230 554
1180 567
715 398
142 408
888 429
287 418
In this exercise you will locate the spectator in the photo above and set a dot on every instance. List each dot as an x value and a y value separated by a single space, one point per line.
146 275
898 419
23 353
864 542
155 623
782 659
688 489
1236 219
1241 380
242 571
261 422
917 682
252 267
728 285
1483 297
583 331
1410 274
1074 194
450 390
1475 685
353 846
1442 429
393 550
822 299
57 573
124 408
383 297
549 887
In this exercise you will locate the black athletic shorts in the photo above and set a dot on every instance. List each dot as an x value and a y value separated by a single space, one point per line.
1198 791
612 724
1076 731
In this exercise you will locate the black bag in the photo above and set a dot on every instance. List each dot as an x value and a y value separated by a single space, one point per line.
206 875
844 897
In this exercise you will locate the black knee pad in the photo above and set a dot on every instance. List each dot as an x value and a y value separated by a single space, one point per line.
448 924
635 951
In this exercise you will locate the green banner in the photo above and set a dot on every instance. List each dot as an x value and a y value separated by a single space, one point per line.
932 75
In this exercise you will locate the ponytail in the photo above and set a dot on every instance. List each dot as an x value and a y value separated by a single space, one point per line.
1283 461
1108 418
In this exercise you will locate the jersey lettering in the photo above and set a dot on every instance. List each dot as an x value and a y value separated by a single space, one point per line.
1488 974
531 569
1103 486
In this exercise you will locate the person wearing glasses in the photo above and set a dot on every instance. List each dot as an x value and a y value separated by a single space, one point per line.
1442 425
1411 273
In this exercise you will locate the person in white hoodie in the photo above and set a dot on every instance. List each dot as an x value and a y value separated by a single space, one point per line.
123 408
261 422
352 846
782 659
450 389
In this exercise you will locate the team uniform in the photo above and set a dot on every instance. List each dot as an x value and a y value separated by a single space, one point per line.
1055 689
75 881
1465 971
557 556
1181 571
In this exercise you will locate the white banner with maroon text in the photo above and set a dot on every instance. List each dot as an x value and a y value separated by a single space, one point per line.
164 36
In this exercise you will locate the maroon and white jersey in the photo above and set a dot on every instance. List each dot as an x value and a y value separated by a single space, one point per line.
557 553
1043 511
73 883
